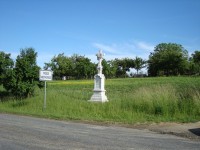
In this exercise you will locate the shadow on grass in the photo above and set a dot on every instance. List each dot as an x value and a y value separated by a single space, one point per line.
195 131
19 103
7 96
4 96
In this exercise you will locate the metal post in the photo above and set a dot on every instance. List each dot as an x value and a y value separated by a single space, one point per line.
45 92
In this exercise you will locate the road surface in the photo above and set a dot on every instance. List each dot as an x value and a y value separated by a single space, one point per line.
28 133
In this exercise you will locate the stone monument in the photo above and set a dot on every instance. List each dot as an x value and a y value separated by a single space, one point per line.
99 82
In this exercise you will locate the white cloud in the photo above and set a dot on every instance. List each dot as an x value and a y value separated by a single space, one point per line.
128 49
144 46
108 48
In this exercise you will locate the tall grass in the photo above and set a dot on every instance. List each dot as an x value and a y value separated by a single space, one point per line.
130 101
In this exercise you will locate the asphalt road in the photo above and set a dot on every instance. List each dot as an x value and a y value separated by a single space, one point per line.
20 132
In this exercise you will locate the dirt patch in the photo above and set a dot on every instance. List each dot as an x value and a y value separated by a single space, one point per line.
187 130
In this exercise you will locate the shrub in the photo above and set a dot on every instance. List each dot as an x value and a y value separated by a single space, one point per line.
21 79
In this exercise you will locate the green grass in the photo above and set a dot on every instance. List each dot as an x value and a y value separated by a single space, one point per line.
131 100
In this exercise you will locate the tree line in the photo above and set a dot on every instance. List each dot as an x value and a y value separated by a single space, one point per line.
167 59
81 67
20 77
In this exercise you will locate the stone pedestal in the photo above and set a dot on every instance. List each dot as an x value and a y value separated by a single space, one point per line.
99 91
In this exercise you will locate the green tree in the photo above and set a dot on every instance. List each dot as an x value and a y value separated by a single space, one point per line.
24 76
123 66
83 67
195 63
109 69
5 64
61 65
76 66
196 57
139 63
168 59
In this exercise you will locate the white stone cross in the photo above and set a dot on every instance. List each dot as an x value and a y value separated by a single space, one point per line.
100 58
99 82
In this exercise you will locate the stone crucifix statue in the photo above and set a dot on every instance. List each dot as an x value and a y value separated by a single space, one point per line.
99 58
99 82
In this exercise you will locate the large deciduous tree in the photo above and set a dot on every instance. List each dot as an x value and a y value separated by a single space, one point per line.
123 65
5 63
24 76
196 57
139 63
109 68
61 66
168 59
76 66
195 63
83 68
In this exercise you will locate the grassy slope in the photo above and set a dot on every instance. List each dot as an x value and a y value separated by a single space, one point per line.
130 101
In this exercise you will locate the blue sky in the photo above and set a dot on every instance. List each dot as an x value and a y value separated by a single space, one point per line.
121 28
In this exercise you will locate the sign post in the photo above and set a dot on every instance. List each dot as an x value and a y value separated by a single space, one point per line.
45 75
45 94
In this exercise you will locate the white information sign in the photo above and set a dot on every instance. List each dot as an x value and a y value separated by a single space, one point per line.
46 75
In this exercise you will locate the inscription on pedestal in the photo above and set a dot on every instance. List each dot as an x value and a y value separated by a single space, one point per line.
98 82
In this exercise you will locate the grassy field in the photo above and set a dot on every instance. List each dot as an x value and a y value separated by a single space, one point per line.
131 100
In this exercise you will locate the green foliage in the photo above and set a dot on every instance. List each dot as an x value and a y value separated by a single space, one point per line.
139 63
168 58
22 78
78 67
194 66
5 64
109 68
196 57
61 66
83 68
123 65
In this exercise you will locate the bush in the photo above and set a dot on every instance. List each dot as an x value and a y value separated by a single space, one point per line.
22 79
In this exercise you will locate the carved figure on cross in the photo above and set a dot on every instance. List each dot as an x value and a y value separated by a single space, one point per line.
99 58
